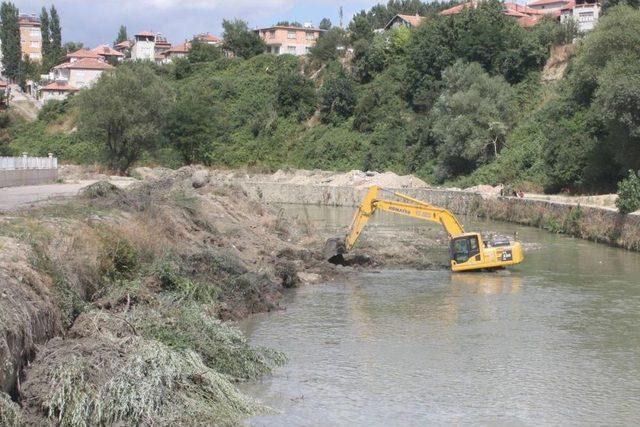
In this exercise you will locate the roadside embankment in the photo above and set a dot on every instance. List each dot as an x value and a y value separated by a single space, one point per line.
111 304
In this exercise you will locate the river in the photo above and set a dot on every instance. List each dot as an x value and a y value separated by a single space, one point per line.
555 340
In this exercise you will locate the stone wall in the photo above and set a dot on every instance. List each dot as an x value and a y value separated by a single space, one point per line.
593 223
18 177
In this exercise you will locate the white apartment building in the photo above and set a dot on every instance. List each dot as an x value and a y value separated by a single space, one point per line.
144 47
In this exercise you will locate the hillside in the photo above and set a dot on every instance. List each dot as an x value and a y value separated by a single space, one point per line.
487 105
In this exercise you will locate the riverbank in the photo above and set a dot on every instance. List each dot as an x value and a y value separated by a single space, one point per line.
112 303
596 223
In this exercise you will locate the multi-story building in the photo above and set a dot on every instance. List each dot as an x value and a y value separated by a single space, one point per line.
281 39
144 47
584 12
30 37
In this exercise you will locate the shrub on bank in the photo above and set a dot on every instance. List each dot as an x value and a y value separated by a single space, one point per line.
629 193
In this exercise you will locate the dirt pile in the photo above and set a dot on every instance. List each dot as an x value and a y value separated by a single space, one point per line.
140 279
354 178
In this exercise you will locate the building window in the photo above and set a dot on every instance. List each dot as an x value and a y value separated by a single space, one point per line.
272 34
586 16
291 49
34 32
35 44
34 55
291 34
310 35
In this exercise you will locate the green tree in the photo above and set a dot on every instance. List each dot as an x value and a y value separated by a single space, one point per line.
609 4
337 99
471 118
629 193
57 52
289 24
369 58
182 68
240 40
203 52
10 38
188 127
124 113
72 47
326 48
360 29
325 24
46 39
122 35
295 95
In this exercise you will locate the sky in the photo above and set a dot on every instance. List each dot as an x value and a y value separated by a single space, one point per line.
96 22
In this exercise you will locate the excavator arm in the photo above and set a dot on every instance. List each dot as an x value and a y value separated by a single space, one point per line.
411 207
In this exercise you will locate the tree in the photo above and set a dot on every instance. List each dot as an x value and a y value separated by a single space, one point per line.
72 47
337 99
471 118
122 35
360 29
10 38
203 52
46 39
629 193
57 52
289 24
325 24
369 58
182 68
188 127
124 113
326 48
295 95
609 4
243 42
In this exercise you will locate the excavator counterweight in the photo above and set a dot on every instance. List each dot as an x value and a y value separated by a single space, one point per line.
469 251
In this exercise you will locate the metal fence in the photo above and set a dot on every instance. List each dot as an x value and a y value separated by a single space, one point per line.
26 162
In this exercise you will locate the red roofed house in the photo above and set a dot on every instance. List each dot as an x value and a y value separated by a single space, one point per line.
108 53
400 20
524 15
281 39
176 51
123 47
209 39
72 76
82 54
56 91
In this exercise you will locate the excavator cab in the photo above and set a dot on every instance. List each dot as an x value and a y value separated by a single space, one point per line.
465 248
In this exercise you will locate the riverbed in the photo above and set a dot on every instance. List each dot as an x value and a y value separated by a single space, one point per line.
555 340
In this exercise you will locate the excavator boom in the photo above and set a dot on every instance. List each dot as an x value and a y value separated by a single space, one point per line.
468 250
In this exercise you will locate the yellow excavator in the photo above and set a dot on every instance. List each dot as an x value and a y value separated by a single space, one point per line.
469 251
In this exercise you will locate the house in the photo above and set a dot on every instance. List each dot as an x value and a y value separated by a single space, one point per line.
82 54
584 12
162 44
176 51
281 39
72 76
30 37
108 54
81 73
56 91
209 39
410 21
144 47
123 47
524 15
548 6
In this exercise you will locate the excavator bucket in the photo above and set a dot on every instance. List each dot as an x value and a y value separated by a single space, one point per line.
333 248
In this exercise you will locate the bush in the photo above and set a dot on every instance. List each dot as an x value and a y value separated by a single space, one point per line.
52 110
337 99
629 193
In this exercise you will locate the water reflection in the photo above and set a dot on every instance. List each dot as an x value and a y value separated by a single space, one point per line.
554 341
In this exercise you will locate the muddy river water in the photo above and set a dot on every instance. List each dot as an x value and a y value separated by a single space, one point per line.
555 340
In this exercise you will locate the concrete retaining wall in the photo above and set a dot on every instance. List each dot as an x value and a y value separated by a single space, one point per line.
18 177
592 223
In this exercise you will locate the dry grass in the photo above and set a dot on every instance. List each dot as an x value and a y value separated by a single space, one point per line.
10 412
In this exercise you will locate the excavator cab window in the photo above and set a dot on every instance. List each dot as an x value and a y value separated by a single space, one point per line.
464 248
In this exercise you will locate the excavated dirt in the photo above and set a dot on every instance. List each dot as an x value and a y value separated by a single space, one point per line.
80 282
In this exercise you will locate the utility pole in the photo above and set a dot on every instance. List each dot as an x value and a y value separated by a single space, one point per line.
340 14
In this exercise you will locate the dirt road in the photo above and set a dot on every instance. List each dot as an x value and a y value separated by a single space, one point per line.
19 197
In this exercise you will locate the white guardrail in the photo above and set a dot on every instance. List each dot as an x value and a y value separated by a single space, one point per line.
26 162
